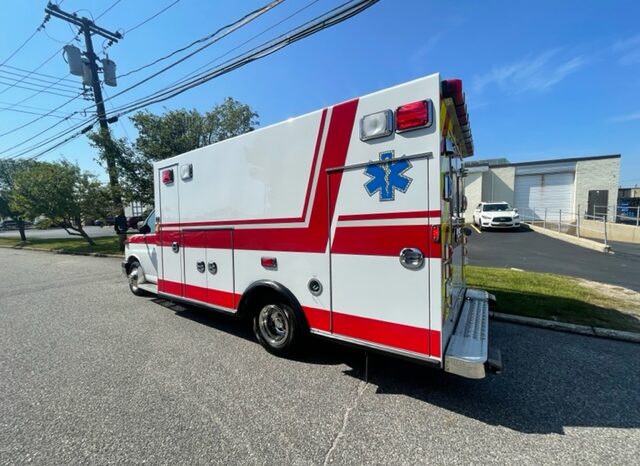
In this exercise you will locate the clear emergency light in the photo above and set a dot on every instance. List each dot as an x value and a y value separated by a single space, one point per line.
376 125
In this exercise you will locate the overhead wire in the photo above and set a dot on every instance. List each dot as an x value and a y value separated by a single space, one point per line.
212 38
321 22
133 28
334 16
107 10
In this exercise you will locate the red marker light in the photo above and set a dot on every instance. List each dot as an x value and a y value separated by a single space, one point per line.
269 262
435 233
167 176
413 115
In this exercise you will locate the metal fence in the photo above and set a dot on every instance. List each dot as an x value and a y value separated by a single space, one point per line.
567 222
629 215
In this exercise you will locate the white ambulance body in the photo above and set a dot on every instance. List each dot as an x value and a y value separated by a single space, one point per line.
345 223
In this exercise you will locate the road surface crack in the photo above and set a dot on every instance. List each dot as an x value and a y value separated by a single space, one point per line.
345 420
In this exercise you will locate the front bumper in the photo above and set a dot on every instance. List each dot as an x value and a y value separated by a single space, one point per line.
495 224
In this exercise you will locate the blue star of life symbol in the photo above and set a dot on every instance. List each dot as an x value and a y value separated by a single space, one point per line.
388 177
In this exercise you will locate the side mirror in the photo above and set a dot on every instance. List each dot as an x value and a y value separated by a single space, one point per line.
467 231
144 229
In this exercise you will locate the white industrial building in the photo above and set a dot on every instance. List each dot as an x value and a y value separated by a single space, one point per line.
561 187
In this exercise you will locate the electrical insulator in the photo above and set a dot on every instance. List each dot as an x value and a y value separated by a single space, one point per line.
109 71
74 59
86 72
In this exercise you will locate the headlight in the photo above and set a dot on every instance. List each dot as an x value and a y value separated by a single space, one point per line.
486 217
516 216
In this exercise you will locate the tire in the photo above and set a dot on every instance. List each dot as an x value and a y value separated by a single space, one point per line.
135 276
277 327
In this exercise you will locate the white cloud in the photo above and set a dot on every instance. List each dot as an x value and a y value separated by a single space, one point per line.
628 50
534 73
624 118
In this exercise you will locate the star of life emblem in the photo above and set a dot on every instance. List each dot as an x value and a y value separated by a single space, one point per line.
389 177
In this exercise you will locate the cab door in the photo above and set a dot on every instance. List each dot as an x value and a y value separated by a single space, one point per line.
170 267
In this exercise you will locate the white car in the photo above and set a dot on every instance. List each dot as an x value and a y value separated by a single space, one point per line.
496 215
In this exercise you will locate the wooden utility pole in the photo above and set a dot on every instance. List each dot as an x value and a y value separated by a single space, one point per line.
87 28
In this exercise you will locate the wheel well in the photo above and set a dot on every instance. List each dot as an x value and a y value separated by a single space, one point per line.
130 261
266 291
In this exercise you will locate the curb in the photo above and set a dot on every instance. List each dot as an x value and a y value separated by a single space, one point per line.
63 251
620 335
583 242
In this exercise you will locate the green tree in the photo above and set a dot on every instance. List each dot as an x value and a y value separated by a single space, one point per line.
169 134
8 171
63 193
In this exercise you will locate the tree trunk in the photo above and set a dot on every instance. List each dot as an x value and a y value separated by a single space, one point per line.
23 237
85 236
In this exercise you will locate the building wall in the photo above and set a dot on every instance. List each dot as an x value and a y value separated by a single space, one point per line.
473 191
596 174
498 184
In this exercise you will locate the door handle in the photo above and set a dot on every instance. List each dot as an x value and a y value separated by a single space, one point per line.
200 266
175 247
213 268
411 258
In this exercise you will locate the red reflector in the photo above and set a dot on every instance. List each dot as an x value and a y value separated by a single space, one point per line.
269 262
435 233
167 176
413 115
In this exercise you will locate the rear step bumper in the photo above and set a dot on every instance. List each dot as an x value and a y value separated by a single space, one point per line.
468 353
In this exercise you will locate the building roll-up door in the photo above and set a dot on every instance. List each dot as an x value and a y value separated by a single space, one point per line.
550 191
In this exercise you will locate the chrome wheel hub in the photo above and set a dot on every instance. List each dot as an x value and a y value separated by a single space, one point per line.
273 325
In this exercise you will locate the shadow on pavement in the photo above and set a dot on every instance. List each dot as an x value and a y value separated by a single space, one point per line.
552 380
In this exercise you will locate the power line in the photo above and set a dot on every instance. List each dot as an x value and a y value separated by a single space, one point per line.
326 20
131 29
86 125
15 84
107 10
264 31
21 46
223 31
30 112
336 15
59 85
41 117
235 25
38 74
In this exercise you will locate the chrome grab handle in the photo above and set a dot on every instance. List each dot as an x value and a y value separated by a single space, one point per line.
200 266
175 247
411 258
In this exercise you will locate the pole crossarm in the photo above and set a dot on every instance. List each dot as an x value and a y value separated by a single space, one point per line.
54 10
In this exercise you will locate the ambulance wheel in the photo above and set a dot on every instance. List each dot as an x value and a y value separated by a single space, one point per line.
135 277
277 328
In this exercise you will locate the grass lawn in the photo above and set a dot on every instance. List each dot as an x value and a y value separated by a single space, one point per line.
104 245
559 298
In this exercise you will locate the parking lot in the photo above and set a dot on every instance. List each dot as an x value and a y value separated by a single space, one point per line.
525 249
91 374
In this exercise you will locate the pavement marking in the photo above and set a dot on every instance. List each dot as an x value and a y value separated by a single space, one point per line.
476 228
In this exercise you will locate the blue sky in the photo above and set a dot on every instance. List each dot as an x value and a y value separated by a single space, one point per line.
543 79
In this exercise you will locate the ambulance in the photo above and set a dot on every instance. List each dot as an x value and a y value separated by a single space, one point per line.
346 223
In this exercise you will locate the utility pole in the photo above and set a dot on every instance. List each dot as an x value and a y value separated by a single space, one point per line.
88 27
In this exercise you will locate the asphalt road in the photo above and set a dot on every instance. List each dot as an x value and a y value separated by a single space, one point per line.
56 233
525 249
90 374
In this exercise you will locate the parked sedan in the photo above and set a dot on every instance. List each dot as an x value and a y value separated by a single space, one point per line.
496 215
